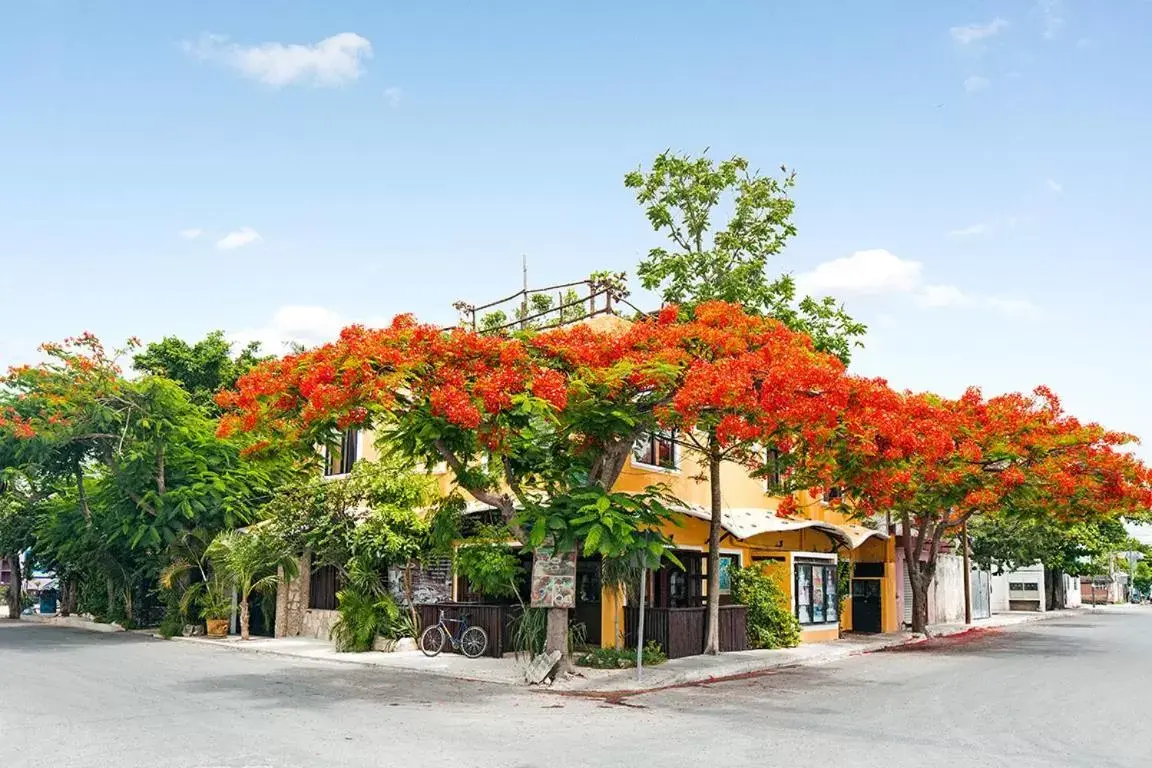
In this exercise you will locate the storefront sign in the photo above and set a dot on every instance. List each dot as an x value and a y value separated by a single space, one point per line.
553 579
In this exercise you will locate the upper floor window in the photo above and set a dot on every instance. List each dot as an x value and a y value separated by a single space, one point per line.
773 470
656 449
339 457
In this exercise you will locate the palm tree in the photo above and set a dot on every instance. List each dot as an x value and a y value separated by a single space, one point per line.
250 559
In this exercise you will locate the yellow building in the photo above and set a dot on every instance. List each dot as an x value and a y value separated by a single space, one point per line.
809 548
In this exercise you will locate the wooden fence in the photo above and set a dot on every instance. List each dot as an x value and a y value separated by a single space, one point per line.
680 631
493 619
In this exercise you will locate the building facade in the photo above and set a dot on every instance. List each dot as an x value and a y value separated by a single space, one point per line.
838 575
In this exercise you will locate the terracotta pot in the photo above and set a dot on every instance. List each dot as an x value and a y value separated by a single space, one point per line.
217 627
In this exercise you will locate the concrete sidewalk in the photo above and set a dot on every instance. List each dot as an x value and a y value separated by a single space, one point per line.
701 669
693 669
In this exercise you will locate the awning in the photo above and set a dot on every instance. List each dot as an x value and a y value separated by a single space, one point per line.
746 522
858 534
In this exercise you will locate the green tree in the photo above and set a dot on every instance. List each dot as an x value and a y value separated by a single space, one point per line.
20 498
1007 542
202 368
132 466
682 196
704 261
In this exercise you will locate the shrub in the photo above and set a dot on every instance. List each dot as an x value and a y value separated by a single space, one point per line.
770 622
172 624
530 632
363 618
621 658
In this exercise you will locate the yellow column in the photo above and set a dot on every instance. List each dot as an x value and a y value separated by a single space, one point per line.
889 621
611 617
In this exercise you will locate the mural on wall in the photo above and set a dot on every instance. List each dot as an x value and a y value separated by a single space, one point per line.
553 579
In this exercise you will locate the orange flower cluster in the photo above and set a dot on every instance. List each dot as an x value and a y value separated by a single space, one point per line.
745 379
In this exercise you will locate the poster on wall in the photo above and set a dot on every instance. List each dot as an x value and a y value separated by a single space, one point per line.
803 594
817 595
726 564
553 579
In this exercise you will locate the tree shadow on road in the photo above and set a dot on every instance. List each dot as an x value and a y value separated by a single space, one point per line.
315 686
30 637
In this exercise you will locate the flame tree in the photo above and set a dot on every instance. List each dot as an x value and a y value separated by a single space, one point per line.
937 463
525 422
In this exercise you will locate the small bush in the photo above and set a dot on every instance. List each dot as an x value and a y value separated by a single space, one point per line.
172 624
363 618
770 622
621 658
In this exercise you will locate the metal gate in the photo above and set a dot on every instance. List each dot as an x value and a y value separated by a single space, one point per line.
981 594
907 587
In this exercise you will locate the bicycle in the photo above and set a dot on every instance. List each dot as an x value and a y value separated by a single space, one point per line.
469 640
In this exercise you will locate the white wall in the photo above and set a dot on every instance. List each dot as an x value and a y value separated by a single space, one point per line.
1001 594
1072 596
948 590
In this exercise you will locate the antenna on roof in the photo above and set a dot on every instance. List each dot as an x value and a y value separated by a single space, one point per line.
524 305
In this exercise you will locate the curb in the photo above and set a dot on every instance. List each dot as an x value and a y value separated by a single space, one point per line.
74 622
767 667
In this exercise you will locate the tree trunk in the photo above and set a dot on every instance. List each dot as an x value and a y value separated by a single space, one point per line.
15 588
408 595
245 618
67 596
557 638
919 602
712 638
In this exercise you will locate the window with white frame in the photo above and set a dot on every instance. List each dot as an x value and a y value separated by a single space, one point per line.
817 593
657 449
340 456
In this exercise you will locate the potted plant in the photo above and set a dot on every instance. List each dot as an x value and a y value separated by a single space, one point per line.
216 608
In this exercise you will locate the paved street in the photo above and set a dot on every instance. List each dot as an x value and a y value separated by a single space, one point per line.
1070 692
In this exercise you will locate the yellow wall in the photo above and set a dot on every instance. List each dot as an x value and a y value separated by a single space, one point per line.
739 489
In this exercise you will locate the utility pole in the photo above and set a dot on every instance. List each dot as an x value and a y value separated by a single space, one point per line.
640 626
967 574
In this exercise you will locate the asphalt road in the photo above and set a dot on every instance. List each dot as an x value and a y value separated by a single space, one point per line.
1071 692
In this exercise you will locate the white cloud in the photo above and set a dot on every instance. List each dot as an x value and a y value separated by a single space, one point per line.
880 272
971 33
298 323
974 83
191 234
1051 17
333 61
942 296
864 272
393 94
1055 186
238 239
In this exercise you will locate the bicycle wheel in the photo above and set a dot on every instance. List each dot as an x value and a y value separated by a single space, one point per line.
432 640
473 642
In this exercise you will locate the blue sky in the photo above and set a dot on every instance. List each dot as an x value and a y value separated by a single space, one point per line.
972 175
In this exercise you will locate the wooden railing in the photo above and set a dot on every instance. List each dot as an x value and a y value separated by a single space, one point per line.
494 619
680 631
